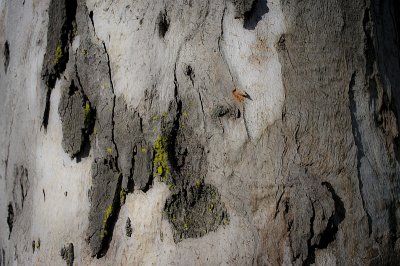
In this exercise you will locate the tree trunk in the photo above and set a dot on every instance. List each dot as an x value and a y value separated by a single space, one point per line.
200 132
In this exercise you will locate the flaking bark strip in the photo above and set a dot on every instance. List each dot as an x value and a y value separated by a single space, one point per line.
59 35
77 117
105 206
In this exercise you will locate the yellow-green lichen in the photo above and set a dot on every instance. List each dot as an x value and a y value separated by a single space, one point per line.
160 162
160 170
225 221
74 28
143 150
122 196
84 52
107 215
211 208
59 55
88 114
87 108
185 226
109 150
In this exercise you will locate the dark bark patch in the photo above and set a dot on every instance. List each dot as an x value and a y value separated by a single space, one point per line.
6 56
254 15
251 11
163 23
329 234
195 208
190 73
241 7
106 204
10 218
128 227
78 119
67 254
20 187
59 34
195 211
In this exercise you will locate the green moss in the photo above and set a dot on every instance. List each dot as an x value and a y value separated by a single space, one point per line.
59 55
160 162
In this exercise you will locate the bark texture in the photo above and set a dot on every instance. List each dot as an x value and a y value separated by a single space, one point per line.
240 132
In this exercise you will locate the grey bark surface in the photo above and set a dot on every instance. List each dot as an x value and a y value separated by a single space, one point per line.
204 132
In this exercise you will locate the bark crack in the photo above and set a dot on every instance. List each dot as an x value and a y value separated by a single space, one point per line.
359 145
220 38
113 108
8 149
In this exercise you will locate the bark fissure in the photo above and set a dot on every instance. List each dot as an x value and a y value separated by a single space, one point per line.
6 56
220 38
358 143
113 107
8 148
311 248
10 218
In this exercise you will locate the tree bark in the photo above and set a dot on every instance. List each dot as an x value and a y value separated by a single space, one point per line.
236 132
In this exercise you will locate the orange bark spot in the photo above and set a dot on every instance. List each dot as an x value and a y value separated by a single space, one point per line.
239 95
